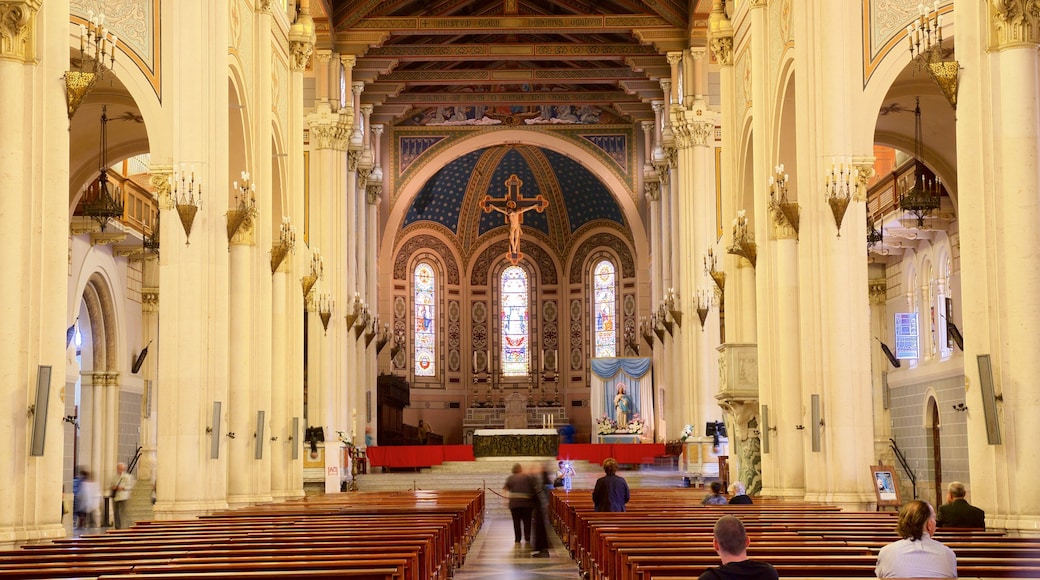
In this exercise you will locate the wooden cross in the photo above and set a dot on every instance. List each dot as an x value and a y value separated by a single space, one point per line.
513 207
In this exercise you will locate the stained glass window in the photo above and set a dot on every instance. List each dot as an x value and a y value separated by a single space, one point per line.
516 352
604 299
425 344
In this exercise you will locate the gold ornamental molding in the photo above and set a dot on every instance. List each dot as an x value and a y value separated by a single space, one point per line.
878 290
529 51
17 29
1015 22
456 25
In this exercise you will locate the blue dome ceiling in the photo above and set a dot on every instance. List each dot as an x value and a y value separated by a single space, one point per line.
576 196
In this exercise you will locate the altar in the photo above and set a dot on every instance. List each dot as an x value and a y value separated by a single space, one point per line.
496 443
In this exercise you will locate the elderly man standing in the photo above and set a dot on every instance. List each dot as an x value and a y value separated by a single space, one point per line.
957 512
730 543
121 486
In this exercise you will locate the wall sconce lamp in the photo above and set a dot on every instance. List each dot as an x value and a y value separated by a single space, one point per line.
711 269
187 198
784 211
384 336
646 331
325 304
95 43
671 301
838 189
925 37
317 269
285 245
662 318
231 435
960 408
705 300
245 210
371 330
743 239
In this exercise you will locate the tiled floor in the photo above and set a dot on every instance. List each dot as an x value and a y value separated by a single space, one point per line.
494 556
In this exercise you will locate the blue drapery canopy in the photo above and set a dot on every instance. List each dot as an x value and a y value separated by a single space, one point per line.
607 368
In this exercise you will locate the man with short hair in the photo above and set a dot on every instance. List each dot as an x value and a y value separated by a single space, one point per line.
730 542
121 487
917 555
957 512
611 491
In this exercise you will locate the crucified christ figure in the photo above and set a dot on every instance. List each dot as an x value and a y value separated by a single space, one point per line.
513 218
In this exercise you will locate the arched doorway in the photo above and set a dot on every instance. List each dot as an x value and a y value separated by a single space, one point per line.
935 442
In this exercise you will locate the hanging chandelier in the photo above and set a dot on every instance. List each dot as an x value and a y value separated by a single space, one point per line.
924 196
102 205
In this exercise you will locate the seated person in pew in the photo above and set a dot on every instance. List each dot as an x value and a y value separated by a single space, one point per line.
917 555
739 494
730 542
957 512
715 497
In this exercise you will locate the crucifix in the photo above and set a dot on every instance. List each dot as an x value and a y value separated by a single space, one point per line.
513 206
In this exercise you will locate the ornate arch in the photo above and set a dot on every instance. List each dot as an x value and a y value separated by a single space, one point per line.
101 313
426 242
533 254
618 245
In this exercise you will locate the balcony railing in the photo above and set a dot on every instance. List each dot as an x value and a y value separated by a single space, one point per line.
140 209
883 195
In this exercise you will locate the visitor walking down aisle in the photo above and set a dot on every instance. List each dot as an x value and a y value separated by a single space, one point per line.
494 555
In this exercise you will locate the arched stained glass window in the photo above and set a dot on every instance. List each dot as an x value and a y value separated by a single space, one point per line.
605 300
425 335
516 352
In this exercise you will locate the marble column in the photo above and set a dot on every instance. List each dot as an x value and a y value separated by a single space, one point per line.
193 272
1005 308
243 400
34 232
289 395
374 198
835 329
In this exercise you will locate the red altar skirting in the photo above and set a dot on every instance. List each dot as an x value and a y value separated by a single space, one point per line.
406 456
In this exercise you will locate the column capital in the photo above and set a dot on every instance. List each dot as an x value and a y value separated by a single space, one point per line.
323 55
758 3
326 128
666 86
782 230
698 52
674 57
722 48
1015 23
348 61
701 133
358 87
150 299
17 24
353 158
652 189
377 130
864 165
159 178
374 190
264 6
878 290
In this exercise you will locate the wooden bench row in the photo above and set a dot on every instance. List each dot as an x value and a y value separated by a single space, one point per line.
385 536
667 533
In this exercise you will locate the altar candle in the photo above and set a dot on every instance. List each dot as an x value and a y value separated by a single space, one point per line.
353 425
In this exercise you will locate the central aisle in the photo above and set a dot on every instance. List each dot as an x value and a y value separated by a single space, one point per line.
494 556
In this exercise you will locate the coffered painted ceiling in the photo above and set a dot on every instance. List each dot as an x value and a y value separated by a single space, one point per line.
418 55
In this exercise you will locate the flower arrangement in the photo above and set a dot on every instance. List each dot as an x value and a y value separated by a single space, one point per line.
605 425
687 432
635 425
344 439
